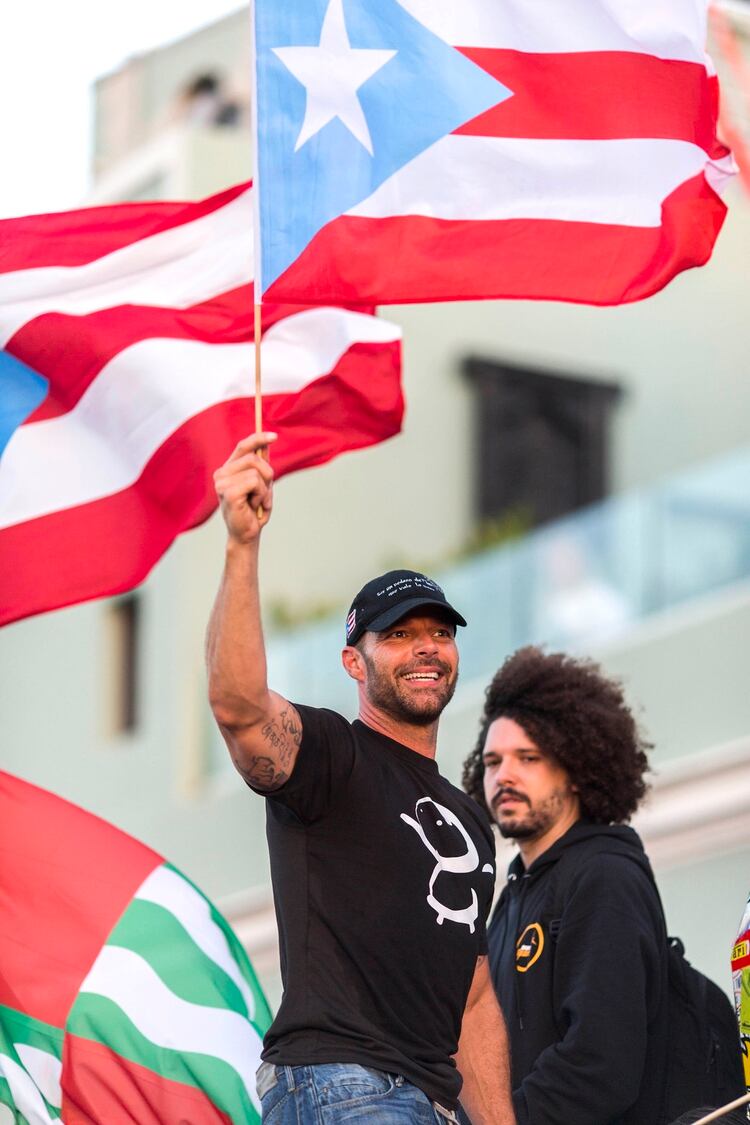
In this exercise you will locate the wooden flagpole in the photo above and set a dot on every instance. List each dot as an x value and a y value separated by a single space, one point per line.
258 390
719 1113
263 451
257 281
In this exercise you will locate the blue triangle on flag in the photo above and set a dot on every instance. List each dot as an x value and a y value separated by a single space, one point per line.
425 90
22 391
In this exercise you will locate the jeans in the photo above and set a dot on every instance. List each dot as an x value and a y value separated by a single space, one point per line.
331 1092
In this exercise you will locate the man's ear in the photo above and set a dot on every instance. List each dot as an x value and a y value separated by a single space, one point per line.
354 665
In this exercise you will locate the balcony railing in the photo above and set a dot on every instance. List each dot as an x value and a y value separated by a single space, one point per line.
579 581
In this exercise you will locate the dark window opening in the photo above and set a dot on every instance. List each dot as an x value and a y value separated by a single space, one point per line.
542 441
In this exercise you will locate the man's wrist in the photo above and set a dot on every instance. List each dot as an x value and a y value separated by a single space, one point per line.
237 545
242 553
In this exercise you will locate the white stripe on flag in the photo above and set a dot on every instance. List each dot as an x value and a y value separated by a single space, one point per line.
721 172
602 181
45 1068
171 1022
165 888
176 268
148 391
26 1098
669 29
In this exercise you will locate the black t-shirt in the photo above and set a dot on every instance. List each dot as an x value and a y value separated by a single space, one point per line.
383 875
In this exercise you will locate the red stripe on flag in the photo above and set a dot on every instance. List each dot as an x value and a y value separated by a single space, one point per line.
542 259
65 878
102 1088
125 534
601 95
72 350
72 238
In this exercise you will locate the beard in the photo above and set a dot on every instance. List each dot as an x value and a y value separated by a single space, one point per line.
533 823
390 693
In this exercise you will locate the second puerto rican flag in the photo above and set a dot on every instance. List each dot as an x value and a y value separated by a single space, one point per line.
126 365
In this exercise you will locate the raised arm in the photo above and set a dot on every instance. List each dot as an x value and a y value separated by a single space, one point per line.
260 727
483 1057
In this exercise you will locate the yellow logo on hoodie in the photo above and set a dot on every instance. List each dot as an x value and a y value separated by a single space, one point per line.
529 947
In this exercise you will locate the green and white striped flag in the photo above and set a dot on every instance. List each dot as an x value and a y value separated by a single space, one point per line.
125 997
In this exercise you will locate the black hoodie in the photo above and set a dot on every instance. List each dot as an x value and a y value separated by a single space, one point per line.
583 981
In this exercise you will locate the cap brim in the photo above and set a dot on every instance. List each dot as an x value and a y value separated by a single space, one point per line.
396 612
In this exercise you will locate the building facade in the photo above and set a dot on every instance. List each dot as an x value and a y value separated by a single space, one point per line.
520 416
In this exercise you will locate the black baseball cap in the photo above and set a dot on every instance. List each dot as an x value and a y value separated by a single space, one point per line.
385 600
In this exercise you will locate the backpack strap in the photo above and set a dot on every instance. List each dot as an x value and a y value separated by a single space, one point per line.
566 871
563 877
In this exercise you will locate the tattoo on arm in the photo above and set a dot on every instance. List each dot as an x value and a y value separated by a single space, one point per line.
263 774
283 734
290 723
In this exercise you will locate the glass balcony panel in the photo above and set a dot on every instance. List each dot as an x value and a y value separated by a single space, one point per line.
578 581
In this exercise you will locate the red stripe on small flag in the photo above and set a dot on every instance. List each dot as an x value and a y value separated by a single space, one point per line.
542 259
66 878
102 1088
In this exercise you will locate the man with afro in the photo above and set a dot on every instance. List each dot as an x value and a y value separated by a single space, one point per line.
577 943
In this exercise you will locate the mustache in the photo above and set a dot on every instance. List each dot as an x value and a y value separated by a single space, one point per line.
508 792
426 666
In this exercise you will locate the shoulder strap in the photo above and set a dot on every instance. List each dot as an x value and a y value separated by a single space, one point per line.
563 877
566 871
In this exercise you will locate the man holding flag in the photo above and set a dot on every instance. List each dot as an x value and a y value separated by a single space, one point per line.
383 871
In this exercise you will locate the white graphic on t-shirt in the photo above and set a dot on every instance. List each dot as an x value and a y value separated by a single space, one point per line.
432 817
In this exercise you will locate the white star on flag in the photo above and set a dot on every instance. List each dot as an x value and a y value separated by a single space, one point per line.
332 73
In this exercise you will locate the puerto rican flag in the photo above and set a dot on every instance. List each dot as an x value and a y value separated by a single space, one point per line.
424 150
126 370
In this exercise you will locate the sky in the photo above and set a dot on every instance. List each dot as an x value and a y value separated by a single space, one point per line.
50 54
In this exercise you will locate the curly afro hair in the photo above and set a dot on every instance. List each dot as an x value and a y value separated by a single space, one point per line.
573 712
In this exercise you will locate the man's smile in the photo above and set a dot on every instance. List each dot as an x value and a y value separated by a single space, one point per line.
428 674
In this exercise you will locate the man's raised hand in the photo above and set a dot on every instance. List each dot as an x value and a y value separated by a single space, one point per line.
244 486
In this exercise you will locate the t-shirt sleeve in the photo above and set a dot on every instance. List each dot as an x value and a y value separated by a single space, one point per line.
323 766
